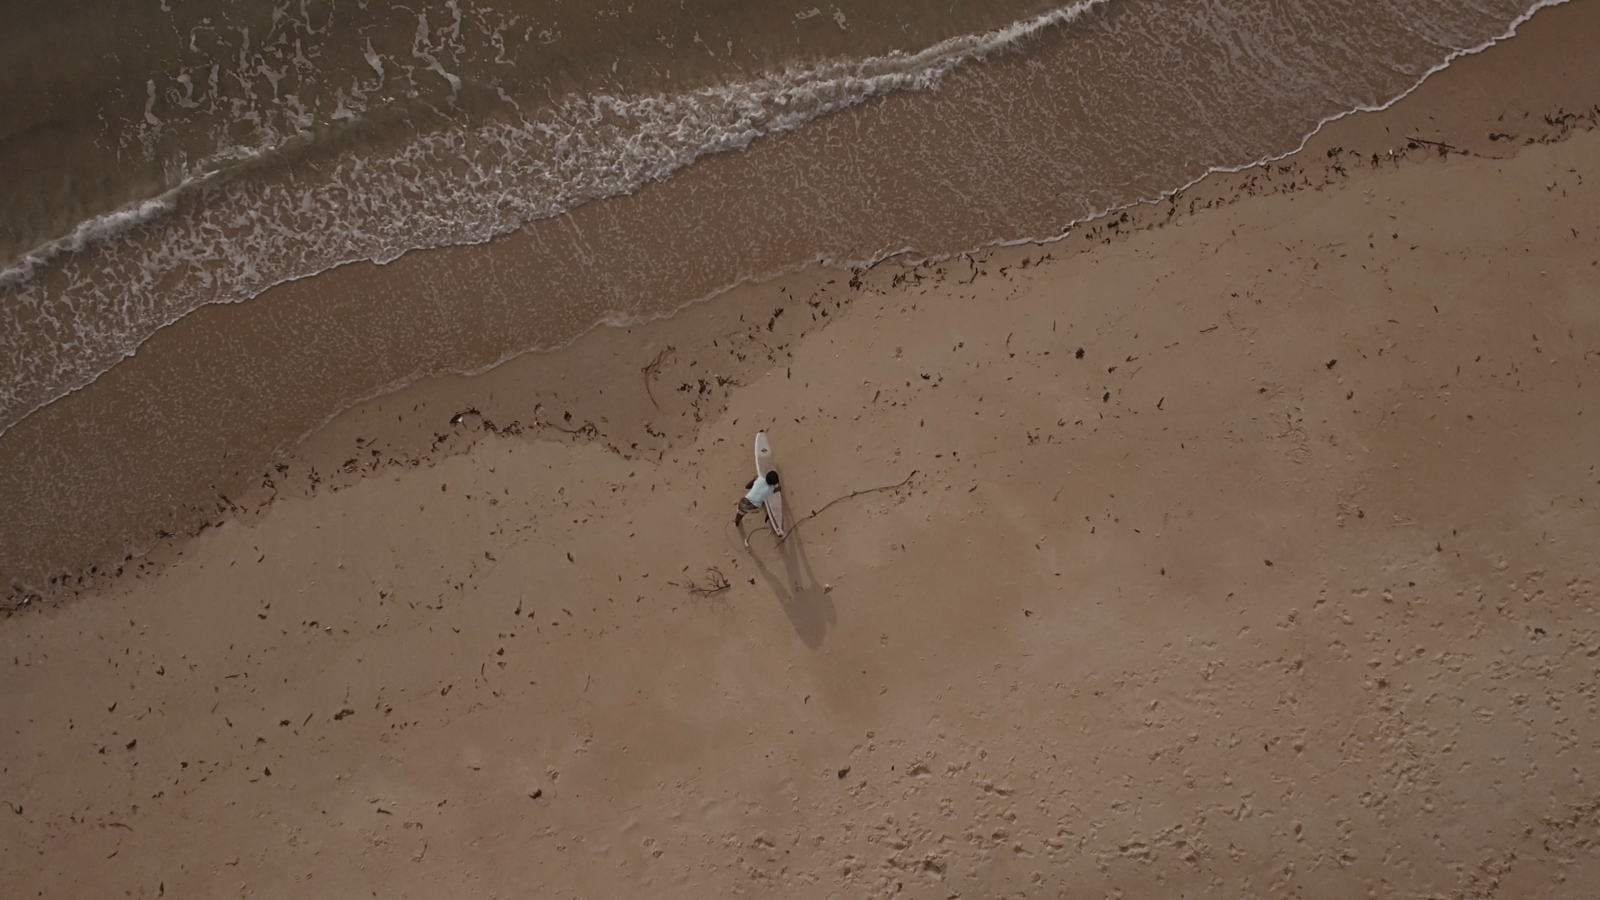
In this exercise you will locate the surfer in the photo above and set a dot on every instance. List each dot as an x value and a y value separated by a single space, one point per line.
758 492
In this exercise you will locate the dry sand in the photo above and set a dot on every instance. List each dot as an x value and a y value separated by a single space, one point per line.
1241 553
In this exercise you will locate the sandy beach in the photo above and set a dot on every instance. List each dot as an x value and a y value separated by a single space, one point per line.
1240 545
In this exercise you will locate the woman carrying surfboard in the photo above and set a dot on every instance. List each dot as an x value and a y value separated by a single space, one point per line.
763 491
760 490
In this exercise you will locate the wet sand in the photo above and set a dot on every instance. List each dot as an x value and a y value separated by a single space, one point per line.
1243 547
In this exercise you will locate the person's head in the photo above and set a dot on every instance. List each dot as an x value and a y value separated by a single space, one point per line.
772 478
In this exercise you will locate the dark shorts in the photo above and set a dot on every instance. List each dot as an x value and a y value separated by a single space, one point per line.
746 507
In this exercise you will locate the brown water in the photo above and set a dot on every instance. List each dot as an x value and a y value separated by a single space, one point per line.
367 198
106 102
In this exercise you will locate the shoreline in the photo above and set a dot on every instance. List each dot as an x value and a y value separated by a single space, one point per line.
1447 118
167 439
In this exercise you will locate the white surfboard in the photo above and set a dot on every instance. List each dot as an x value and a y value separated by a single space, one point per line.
766 462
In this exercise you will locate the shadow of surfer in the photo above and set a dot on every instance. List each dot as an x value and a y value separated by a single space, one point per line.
804 599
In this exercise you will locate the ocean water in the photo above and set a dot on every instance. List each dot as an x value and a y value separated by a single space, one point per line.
527 169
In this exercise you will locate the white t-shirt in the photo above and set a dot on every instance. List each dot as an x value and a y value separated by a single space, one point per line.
760 491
